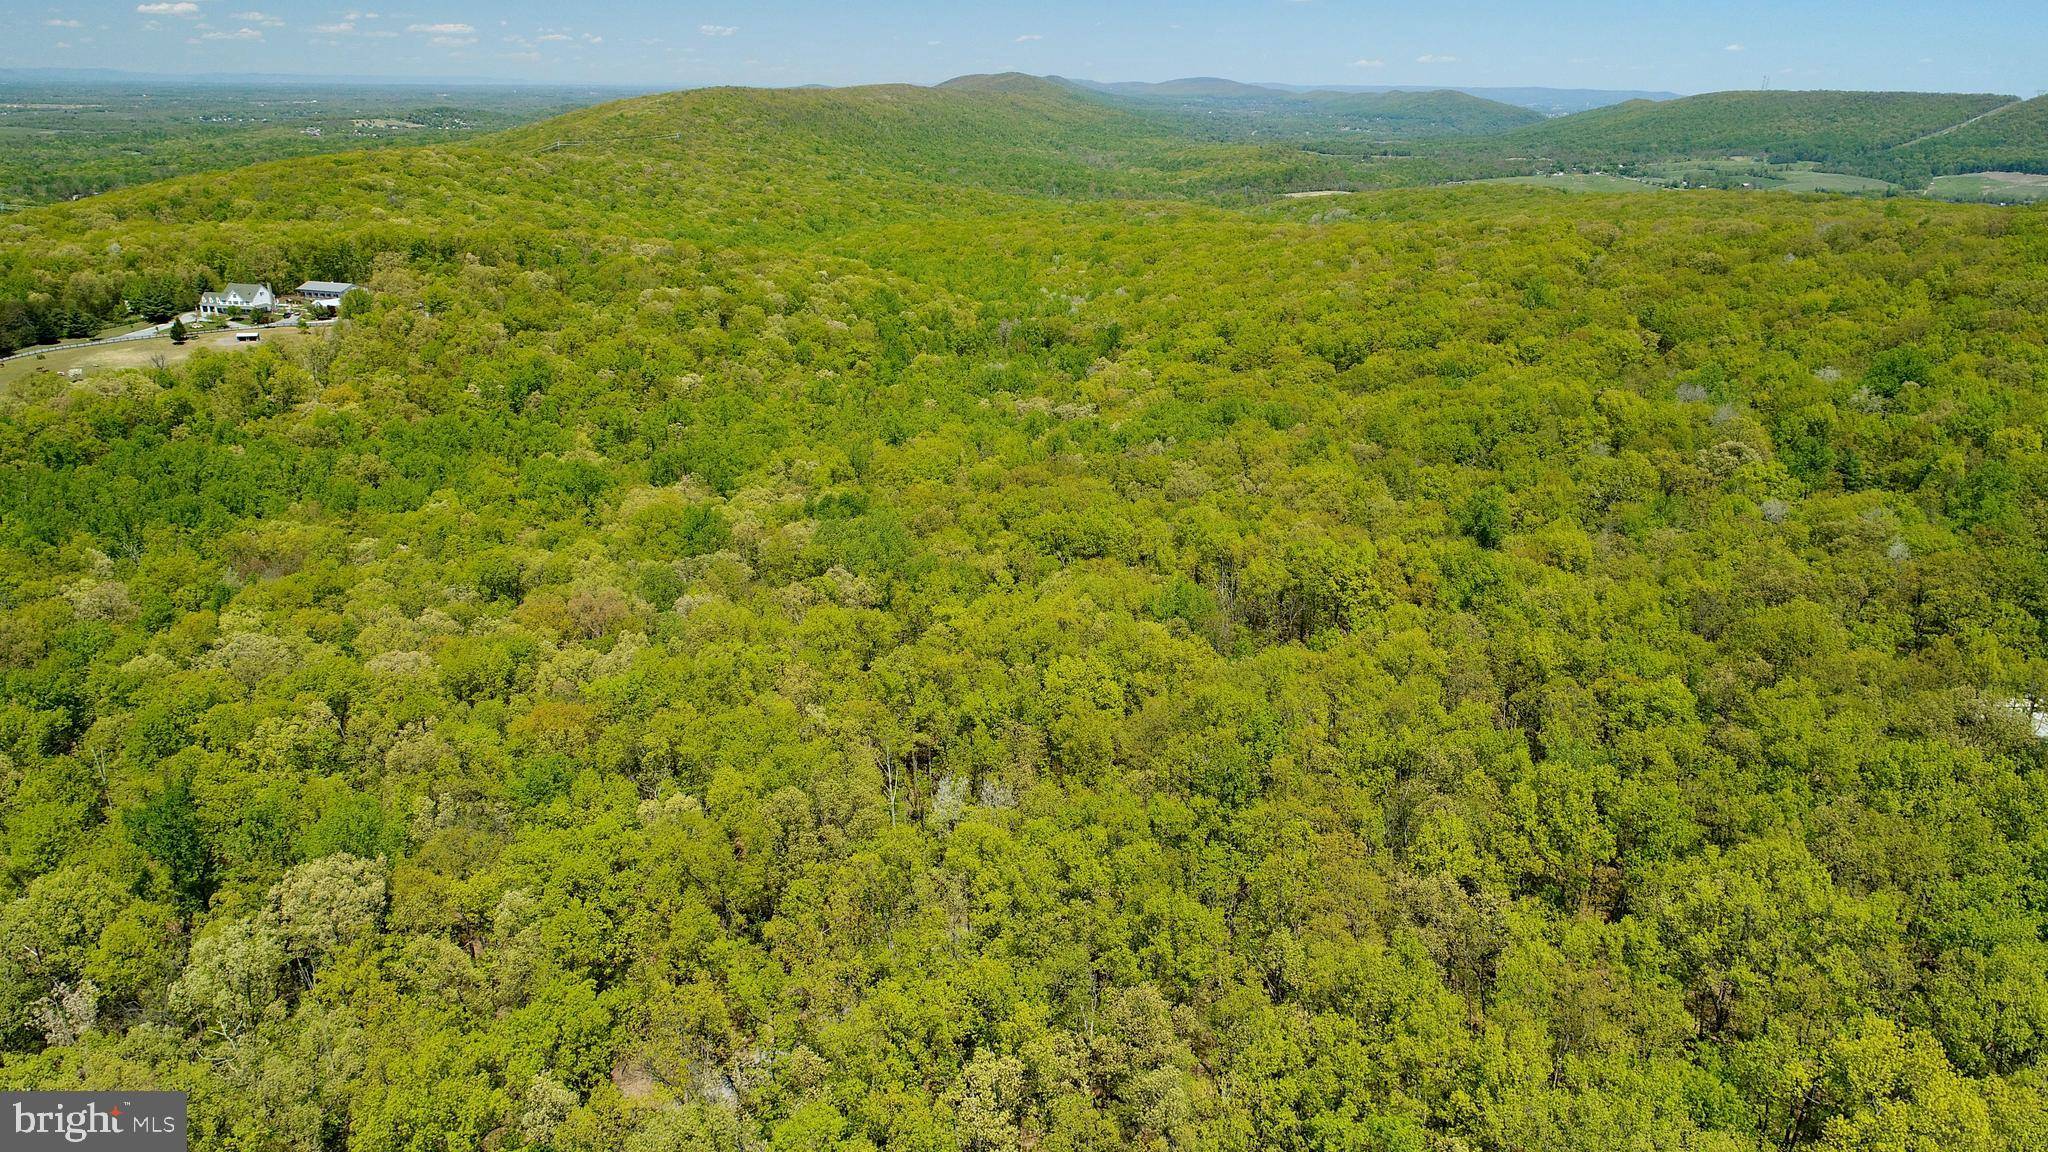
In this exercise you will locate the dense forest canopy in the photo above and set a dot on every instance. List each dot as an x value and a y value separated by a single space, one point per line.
923 619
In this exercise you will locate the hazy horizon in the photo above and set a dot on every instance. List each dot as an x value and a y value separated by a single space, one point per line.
1995 46
61 75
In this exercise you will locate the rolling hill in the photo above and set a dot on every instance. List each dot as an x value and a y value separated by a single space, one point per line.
1829 127
1195 86
1226 109
1548 101
1006 132
2012 137
720 164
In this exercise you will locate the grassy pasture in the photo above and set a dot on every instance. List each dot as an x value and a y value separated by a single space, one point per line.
1995 187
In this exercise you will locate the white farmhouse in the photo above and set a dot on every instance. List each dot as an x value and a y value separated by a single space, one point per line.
236 298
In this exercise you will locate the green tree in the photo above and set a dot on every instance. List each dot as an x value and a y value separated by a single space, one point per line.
167 827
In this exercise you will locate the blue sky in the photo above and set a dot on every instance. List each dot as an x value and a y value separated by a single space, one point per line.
1985 45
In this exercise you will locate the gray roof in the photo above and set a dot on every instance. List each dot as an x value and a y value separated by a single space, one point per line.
248 289
334 286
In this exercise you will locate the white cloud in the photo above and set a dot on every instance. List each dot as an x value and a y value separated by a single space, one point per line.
237 34
1368 63
1433 58
452 41
1023 39
442 29
263 18
180 8
716 29
62 23
554 36
335 29
1733 48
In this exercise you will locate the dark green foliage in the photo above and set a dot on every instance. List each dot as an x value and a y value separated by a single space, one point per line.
167 827
1485 516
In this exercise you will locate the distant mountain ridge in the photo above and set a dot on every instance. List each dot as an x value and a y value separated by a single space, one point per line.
1186 86
1213 108
1549 101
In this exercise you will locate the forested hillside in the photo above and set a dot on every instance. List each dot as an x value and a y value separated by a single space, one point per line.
1225 109
1831 127
2012 138
909 619
716 165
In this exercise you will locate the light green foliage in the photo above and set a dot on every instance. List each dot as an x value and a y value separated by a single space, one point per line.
326 903
233 973
908 620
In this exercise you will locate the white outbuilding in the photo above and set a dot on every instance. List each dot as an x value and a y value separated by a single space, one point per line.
324 293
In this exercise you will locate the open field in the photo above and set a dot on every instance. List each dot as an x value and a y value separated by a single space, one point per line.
1803 179
1997 187
1576 182
137 353
1742 172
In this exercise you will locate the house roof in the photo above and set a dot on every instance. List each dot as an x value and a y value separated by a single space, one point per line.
335 286
247 289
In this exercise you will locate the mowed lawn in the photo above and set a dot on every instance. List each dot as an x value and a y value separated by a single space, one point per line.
136 353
